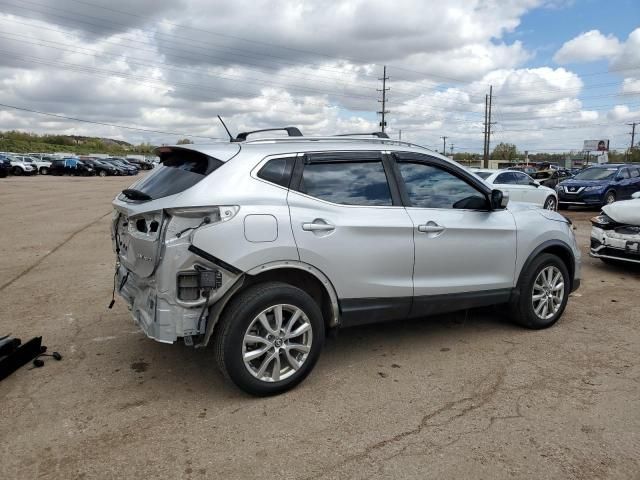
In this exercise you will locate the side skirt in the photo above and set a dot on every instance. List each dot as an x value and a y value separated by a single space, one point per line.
362 311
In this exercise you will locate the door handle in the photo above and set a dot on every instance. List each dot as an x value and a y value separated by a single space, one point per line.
430 227
317 227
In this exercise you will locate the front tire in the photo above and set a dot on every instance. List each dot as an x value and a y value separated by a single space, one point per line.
102 173
609 198
550 203
17 171
44 171
269 338
544 290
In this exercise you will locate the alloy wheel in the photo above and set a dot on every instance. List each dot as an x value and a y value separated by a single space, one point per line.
548 292
550 204
277 343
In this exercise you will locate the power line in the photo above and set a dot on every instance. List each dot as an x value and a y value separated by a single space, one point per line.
102 123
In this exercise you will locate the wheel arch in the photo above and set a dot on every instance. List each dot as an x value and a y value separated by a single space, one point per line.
555 247
293 272
304 276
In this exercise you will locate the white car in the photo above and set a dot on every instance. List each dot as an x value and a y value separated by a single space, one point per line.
42 166
615 233
521 187
20 167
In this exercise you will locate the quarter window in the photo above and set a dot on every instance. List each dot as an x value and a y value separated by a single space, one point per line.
347 183
278 171
432 187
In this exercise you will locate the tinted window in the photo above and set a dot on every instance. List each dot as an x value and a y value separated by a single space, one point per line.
179 170
634 172
506 178
432 187
347 183
278 171
625 173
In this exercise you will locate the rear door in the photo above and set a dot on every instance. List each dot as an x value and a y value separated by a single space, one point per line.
348 221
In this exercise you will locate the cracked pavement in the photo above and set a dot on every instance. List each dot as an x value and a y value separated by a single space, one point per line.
466 395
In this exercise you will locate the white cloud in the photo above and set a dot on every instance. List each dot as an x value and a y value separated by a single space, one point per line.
588 47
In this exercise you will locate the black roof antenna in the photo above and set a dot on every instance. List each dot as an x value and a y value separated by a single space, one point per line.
225 127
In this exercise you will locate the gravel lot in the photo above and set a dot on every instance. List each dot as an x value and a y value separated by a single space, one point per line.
456 396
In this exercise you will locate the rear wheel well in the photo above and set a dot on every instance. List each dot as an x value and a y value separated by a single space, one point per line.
301 279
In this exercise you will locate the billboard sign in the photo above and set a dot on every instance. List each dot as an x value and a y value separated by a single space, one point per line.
596 146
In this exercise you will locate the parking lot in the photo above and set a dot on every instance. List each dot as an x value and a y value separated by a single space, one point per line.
465 395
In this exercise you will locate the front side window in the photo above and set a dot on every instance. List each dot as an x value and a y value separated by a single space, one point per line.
522 178
432 187
347 182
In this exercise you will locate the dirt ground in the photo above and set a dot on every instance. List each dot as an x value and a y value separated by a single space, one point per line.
457 396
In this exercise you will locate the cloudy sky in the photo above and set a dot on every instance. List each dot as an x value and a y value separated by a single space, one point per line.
562 71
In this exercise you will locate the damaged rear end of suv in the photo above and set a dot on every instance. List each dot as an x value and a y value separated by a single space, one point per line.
167 286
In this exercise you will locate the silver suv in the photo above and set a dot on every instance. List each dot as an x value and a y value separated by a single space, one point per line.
263 246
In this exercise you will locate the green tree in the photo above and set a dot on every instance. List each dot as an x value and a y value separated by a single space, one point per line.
504 151
183 141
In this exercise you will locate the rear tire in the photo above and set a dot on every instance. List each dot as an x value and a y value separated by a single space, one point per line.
243 320
44 171
102 173
544 290
17 171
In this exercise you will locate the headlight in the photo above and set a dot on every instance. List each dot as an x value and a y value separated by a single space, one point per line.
559 188
594 188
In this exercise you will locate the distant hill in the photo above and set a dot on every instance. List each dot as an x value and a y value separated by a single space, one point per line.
25 142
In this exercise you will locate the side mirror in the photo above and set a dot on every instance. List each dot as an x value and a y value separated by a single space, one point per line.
635 195
499 199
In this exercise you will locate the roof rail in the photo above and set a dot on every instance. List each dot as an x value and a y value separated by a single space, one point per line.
373 134
335 138
291 131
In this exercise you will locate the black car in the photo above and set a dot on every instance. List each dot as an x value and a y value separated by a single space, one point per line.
71 166
117 162
551 178
101 169
5 166
141 164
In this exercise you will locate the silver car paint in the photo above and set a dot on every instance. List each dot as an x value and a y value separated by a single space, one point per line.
370 253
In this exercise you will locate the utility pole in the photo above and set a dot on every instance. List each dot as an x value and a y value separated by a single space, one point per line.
485 155
451 148
444 145
488 101
633 133
400 134
384 91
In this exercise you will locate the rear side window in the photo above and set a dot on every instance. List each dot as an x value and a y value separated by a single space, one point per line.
347 183
278 171
507 178
634 172
178 170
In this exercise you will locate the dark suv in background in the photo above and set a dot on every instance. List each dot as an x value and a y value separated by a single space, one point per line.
599 185
5 166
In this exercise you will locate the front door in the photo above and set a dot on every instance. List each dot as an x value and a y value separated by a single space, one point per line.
465 253
348 221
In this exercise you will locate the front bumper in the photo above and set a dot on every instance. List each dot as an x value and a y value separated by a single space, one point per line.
581 198
614 245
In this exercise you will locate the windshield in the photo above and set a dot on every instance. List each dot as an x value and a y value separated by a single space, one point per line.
179 170
483 175
596 174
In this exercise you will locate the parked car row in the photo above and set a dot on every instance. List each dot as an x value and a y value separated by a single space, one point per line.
12 164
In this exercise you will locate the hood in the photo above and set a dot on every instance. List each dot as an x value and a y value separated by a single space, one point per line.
625 211
519 206
583 183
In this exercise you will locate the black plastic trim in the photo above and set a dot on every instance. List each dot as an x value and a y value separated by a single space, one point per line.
214 260
543 246
361 311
